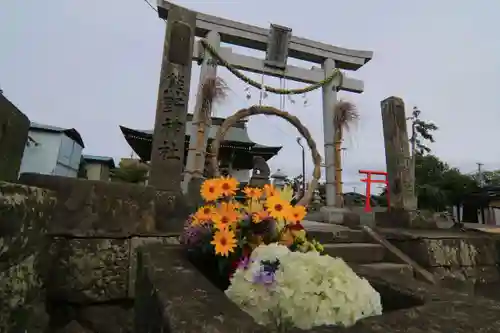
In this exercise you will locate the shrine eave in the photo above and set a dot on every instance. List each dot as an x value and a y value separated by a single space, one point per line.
141 142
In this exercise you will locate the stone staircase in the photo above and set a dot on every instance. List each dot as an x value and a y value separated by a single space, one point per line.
356 248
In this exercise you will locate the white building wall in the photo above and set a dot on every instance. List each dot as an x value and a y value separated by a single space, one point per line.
41 158
54 154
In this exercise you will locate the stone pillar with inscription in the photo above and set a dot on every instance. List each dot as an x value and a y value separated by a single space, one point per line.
397 155
167 154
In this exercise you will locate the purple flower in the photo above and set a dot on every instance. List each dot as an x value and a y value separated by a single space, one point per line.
194 234
244 263
264 277
267 273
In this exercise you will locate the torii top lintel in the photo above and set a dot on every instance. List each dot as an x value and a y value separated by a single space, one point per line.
253 37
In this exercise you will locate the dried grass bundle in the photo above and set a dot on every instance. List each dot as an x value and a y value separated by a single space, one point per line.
345 115
214 89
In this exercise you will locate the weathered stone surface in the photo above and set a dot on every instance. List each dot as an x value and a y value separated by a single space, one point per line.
21 297
135 243
172 296
24 214
108 318
73 327
356 252
14 127
451 252
172 210
397 154
167 152
96 208
473 274
88 270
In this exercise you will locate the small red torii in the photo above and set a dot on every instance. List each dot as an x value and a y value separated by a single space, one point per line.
369 181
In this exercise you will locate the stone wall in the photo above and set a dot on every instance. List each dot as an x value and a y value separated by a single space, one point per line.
96 229
25 213
462 261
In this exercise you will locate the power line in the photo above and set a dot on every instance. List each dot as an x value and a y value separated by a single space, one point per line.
151 6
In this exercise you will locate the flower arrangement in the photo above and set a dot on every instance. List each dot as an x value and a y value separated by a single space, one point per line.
266 264
281 289
230 230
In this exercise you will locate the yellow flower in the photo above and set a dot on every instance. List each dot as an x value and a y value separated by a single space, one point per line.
204 213
228 185
253 206
260 216
210 190
296 214
286 193
229 206
195 221
269 190
224 242
253 193
278 208
225 219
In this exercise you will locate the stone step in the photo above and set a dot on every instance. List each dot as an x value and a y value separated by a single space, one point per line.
327 237
357 253
402 270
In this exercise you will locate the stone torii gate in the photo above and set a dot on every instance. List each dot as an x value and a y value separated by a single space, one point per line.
279 44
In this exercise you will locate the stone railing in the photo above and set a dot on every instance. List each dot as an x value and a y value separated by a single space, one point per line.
467 262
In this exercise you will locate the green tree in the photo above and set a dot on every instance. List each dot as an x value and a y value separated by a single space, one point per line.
489 178
129 172
421 135
438 185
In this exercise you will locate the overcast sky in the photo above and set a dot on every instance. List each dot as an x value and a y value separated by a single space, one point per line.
94 65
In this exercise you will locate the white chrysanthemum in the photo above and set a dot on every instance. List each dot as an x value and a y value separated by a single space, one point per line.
309 289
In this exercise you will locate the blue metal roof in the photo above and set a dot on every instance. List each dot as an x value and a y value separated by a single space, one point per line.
104 159
70 132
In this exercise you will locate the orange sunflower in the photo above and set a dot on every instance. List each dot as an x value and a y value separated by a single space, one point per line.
205 213
225 219
211 190
230 206
269 190
260 216
253 193
228 186
296 214
195 221
278 208
224 242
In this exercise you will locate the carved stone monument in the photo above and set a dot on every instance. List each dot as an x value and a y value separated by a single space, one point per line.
167 155
397 154
403 203
14 127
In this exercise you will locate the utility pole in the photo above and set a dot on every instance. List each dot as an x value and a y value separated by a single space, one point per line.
480 174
